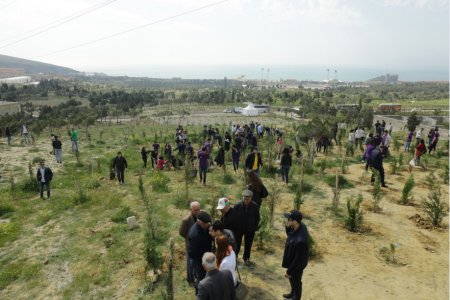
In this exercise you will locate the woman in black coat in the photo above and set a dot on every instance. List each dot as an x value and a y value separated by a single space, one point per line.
144 154
220 158
257 187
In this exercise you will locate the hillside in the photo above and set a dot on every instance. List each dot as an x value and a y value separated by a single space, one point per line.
13 66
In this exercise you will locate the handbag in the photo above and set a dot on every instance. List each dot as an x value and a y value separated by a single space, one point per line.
241 289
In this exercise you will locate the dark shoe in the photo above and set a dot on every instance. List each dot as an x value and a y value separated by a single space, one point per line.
383 185
287 296
249 263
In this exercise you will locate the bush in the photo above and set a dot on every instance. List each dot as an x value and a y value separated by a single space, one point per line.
306 187
8 232
343 182
394 165
92 183
159 182
409 185
312 246
354 217
6 210
81 197
264 234
376 192
29 185
37 159
228 179
434 207
121 215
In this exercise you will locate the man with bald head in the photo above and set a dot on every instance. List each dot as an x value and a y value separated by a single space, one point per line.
185 226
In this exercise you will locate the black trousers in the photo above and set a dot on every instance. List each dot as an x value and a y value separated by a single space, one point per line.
121 175
296 285
381 171
41 188
248 242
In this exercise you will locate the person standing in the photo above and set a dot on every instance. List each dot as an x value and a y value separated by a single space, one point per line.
144 155
434 141
376 162
235 157
286 164
199 242
203 157
257 187
120 164
44 176
408 140
247 218
253 162
229 216
386 141
25 133
226 258
217 285
296 253
185 226
57 148
279 146
74 139
419 135
421 149
8 135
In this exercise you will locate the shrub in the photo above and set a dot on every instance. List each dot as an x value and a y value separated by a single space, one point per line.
322 165
312 246
298 200
29 185
159 182
264 234
434 206
343 182
228 179
8 232
6 210
409 185
92 183
394 165
81 197
446 174
306 187
354 217
37 159
122 214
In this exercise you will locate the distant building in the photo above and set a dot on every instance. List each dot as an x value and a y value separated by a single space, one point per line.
387 78
390 107
18 80
9 108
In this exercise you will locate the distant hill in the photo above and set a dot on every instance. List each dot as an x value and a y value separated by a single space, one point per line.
13 66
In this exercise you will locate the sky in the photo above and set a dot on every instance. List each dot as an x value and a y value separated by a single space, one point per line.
351 33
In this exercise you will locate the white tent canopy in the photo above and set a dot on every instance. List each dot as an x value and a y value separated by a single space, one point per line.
250 110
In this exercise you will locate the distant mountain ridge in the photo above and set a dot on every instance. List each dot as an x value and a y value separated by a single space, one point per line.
13 66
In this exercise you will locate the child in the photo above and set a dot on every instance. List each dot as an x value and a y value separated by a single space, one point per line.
161 163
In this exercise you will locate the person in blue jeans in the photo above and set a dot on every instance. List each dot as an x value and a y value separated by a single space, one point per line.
203 157
44 176
286 163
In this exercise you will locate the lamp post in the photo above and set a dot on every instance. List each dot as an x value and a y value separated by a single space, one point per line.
267 77
262 71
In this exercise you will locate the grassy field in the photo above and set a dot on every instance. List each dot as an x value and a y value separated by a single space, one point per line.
77 246
442 104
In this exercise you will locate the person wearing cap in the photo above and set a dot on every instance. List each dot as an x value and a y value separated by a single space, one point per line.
247 222
217 285
120 164
253 162
296 253
185 226
228 218
199 242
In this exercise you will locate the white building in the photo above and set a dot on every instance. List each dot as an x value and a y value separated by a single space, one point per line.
18 80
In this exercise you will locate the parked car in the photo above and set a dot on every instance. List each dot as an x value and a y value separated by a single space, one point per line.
227 110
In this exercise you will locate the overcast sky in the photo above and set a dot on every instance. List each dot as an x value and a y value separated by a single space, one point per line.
365 33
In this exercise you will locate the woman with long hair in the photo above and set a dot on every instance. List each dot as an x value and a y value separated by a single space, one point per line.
225 256
257 187
279 146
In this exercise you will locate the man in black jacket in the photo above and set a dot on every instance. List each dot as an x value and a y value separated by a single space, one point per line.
57 149
120 164
247 219
376 162
229 216
44 176
253 162
296 253
199 242
217 285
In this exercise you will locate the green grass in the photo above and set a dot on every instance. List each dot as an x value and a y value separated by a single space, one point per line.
342 181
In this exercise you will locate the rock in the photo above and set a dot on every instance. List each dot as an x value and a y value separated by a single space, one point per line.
132 223
46 261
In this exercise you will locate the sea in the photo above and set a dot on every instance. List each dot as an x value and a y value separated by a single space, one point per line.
280 72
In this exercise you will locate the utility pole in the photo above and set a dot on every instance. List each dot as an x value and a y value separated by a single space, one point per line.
267 77
328 77
262 71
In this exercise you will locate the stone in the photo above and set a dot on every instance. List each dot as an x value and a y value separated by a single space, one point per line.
132 223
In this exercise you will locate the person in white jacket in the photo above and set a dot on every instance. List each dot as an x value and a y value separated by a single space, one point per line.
226 258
